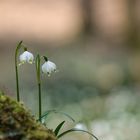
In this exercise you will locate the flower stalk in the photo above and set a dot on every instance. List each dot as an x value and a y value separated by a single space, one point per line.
37 62
19 45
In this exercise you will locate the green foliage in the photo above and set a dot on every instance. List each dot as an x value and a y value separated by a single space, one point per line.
74 130
43 117
56 131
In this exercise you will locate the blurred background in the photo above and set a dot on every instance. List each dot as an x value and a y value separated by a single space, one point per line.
96 46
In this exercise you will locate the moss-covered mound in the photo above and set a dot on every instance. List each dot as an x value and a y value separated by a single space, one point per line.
16 123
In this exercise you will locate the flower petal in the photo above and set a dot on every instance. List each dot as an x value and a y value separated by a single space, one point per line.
26 57
48 67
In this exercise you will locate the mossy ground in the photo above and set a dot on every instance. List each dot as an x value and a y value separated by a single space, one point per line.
16 123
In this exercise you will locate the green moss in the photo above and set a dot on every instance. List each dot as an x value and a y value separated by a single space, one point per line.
16 123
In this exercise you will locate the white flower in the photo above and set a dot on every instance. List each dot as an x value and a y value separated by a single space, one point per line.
48 67
26 57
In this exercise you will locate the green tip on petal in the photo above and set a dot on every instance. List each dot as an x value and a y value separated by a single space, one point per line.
31 61
21 63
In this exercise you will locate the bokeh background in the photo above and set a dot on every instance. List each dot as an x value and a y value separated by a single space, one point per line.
96 46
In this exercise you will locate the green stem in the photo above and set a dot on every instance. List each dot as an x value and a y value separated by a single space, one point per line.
40 106
74 130
16 69
39 84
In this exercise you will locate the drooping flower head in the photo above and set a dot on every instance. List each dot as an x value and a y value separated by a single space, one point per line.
26 57
48 67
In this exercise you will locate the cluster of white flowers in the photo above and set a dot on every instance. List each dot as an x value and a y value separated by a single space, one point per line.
48 67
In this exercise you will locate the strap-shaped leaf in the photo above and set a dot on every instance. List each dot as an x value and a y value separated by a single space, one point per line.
73 130
19 45
56 131
59 112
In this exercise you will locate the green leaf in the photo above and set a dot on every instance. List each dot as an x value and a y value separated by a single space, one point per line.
56 131
59 112
19 45
73 130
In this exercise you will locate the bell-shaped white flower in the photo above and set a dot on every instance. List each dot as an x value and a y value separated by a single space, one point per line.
26 57
48 67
